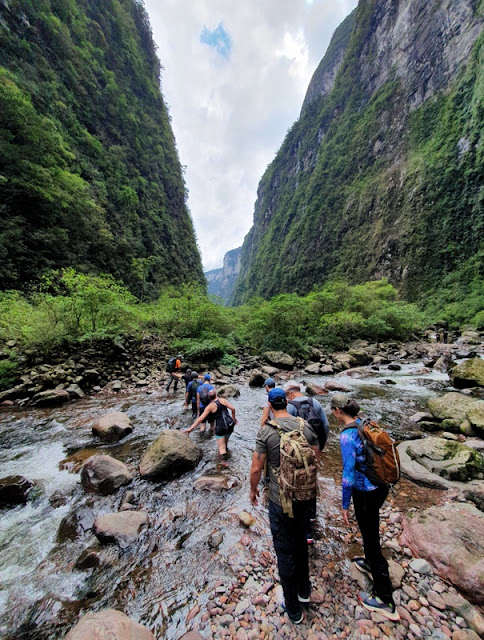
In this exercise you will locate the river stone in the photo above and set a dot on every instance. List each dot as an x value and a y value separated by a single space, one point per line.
447 458
269 371
475 415
453 406
246 519
330 385
313 369
421 416
469 373
171 454
215 540
14 490
225 370
315 390
360 357
112 427
122 527
466 610
108 624
279 359
214 483
104 475
192 635
50 398
257 379
451 539
228 391
397 573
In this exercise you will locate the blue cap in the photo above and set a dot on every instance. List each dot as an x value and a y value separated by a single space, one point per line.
270 382
278 392
207 376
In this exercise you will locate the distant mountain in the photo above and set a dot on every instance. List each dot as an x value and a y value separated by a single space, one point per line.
89 172
382 174
221 281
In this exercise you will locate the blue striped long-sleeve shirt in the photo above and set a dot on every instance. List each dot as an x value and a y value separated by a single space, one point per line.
353 455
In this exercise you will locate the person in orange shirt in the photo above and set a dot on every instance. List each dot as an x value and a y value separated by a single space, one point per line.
173 368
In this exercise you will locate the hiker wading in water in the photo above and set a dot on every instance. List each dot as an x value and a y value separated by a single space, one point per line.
367 500
217 414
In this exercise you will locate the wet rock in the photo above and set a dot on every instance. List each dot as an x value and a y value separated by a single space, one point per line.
257 379
475 494
75 391
313 368
14 490
246 519
117 386
421 416
315 390
449 459
224 370
76 461
393 366
430 427
463 608
112 427
326 370
50 398
438 534
171 454
75 524
270 372
444 363
214 483
121 528
108 624
453 406
330 385
228 391
279 359
360 357
215 540
469 373
420 566
104 475
88 559
475 415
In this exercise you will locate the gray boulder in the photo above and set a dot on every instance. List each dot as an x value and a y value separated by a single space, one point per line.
228 391
313 369
225 370
475 415
108 624
112 427
257 379
279 359
104 475
448 459
469 373
451 539
122 527
360 357
14 490
453 406
50 398
171 454
269 371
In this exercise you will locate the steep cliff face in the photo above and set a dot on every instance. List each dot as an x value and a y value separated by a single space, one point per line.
89 171
382 174
221 281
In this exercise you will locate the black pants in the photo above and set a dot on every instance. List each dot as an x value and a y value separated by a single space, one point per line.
289 536
175 379
367 510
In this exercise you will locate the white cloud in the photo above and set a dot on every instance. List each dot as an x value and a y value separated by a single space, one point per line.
231 104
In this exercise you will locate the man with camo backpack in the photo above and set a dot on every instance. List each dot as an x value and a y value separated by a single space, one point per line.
290 447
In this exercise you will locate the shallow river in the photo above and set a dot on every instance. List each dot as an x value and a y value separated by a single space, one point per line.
158 580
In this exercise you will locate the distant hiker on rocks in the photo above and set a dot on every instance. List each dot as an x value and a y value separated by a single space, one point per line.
217 413
367 500
285 443
310 410
187 377
269 384
202 398
173 367
191 394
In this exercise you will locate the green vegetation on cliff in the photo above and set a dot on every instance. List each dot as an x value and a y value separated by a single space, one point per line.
365 185
89 171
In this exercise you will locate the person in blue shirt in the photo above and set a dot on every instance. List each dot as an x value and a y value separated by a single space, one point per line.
202 399
367 500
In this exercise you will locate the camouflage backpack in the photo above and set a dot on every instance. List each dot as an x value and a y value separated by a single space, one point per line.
297 471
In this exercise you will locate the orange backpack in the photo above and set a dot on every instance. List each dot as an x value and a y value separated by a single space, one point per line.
381 455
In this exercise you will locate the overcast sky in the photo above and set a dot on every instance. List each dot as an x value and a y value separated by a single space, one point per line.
235 75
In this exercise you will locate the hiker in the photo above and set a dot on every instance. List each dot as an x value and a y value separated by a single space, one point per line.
217 413
288 533
187 377
191 394
269 384
312 411
367 500
202 399
173 368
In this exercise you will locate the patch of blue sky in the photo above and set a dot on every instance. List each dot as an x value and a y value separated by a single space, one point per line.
218 39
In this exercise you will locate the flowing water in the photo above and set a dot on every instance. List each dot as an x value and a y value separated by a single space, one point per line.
171 567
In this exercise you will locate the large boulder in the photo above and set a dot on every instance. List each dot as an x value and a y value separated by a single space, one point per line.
451 539
279 359
108 624
228 391
475 415
257 379
452 406
171 454
447 458
112 427
50 398
14 490
104 475
360 357
469 373
122 527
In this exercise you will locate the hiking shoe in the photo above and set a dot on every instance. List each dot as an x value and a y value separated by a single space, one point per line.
310 540
295 618
373 603
304 599
362 565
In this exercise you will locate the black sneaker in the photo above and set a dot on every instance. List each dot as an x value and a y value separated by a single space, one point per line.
373 603
295 618
304 599
362 565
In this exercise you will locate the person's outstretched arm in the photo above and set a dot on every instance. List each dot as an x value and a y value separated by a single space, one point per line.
200 419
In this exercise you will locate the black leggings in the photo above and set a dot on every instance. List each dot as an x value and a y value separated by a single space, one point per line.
367 510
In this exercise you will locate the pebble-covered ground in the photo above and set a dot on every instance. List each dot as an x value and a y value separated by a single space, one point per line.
249 607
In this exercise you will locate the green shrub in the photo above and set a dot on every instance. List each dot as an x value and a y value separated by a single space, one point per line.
9 372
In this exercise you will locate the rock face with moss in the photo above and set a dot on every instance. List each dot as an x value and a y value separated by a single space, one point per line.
89 172
381 175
